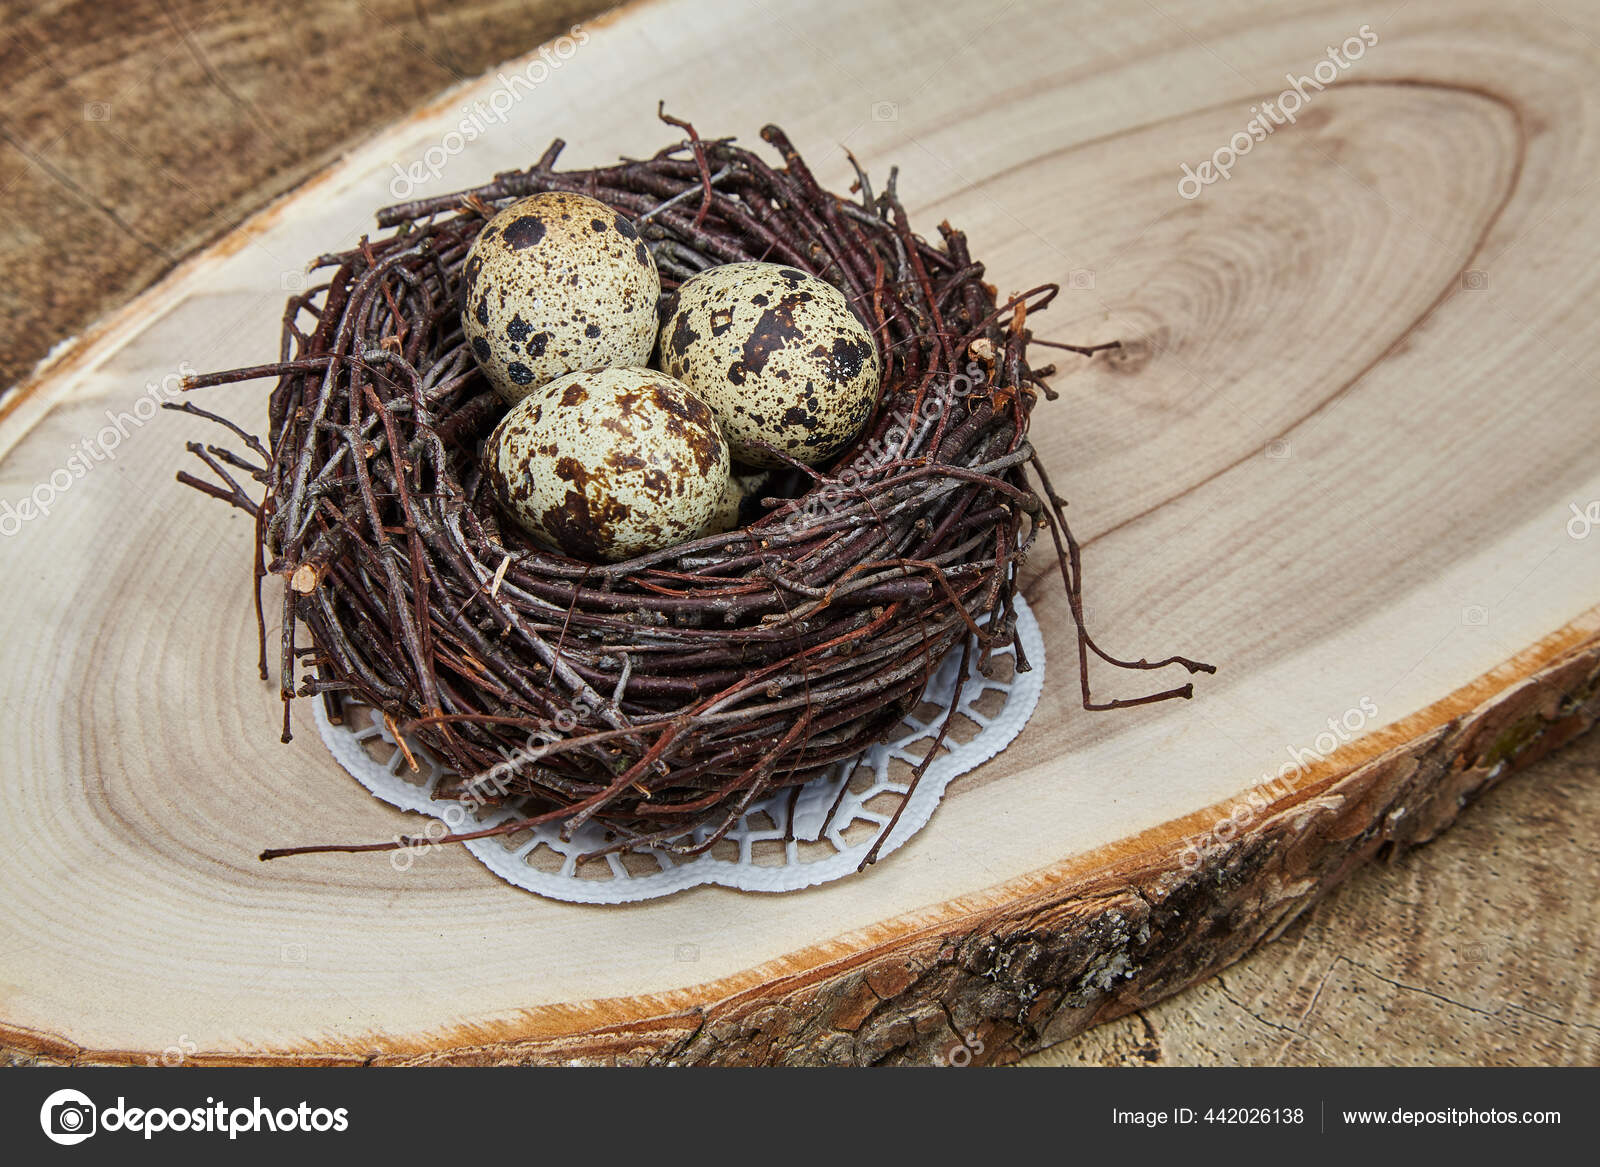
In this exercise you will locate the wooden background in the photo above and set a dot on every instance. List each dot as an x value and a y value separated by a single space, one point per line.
128 143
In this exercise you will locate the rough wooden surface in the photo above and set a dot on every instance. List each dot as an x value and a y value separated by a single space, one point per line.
1515 992
1054 965
1463 952
133 134
1067 964
1426 958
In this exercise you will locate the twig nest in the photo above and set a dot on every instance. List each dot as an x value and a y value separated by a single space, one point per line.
609 463
557 282
657 697
778 355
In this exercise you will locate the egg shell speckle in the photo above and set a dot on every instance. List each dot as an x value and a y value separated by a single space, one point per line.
778 355
607 464
554 283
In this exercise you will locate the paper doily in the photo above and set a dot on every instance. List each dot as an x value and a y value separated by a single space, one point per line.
760 853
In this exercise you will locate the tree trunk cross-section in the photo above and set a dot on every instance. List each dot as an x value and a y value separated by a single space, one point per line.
995 989
1347 453
1470 951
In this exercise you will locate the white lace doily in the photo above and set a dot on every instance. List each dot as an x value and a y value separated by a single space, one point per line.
761 852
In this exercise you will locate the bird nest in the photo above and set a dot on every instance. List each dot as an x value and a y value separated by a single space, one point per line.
662 696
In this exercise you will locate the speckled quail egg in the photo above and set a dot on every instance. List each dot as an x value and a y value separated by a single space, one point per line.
779 357
607 464
739 502
554 283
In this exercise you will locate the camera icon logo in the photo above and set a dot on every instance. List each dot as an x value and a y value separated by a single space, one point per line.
1475 615
1081 279
1475 279
885 111
68 1117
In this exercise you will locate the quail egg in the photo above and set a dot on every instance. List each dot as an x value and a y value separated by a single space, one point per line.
778 355
740 500
607 464
557 282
